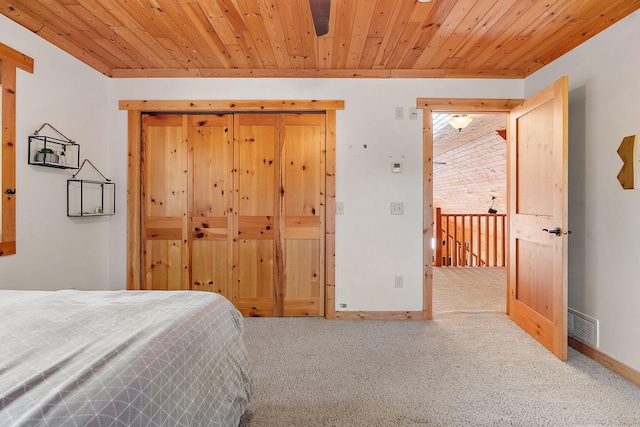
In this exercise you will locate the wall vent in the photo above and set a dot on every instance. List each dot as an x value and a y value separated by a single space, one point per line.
583 328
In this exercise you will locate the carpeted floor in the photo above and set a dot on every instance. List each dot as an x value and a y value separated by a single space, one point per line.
469 289
472 368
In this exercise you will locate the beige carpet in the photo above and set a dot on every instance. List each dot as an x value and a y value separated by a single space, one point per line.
462 369
470 366
469 289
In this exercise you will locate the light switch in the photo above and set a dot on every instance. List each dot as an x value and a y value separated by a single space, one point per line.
339 208
399 113
397 208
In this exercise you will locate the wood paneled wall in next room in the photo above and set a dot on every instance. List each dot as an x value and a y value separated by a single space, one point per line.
467 176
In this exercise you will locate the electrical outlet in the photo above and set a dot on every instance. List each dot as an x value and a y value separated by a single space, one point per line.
339 208
397 208
343 305
399 113
398 282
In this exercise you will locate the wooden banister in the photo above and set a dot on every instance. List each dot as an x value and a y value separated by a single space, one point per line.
469 240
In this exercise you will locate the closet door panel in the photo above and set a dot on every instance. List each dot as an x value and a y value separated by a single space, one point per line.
302 213
164 205
302 284
255 209
210 204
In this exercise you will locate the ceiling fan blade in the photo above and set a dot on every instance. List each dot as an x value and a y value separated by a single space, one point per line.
320 12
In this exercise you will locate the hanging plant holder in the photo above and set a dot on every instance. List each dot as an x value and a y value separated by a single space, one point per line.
53 152
89 198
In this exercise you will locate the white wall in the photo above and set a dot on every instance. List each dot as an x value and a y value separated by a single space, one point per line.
54 251
371 245
604 268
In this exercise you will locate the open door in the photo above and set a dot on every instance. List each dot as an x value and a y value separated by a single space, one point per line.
537 185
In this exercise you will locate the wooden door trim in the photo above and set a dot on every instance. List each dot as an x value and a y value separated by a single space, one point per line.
134 214
428 106
159 106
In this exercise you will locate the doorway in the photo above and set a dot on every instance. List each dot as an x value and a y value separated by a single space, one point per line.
429 105
538 220
469 195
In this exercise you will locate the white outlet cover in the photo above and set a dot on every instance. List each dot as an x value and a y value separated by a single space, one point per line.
339 208
399 113
398 281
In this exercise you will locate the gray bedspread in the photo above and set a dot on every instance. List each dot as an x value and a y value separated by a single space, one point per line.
121 358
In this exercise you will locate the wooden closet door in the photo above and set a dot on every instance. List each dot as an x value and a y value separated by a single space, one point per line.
302 215
256 260
165 254
210 213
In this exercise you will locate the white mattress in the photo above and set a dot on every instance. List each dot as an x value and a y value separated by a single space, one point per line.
121 358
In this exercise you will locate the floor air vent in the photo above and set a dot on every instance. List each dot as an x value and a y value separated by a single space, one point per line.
583 328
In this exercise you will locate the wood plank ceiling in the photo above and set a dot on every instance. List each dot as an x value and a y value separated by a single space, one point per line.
276 38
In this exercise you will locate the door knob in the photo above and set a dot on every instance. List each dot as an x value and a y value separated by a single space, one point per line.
555 231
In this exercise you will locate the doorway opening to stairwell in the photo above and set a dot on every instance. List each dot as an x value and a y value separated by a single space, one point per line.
469 215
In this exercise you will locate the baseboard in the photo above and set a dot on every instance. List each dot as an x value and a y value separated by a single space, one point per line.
606 361
379 315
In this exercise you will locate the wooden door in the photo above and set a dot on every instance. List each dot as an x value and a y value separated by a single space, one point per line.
302 213
235 204
165 254
256 261
538 185
210 202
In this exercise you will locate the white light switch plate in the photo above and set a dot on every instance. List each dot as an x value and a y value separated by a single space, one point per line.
339 208
397 208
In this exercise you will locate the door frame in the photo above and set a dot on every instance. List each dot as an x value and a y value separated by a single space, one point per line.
136 108
446 105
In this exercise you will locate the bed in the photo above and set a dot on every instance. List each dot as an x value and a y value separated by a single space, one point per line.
121 358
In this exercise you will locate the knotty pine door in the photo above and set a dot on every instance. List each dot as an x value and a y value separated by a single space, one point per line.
234 204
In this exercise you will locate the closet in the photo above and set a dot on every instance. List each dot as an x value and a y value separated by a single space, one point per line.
234 203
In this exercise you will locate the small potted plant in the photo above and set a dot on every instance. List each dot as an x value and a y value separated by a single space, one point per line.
46 155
